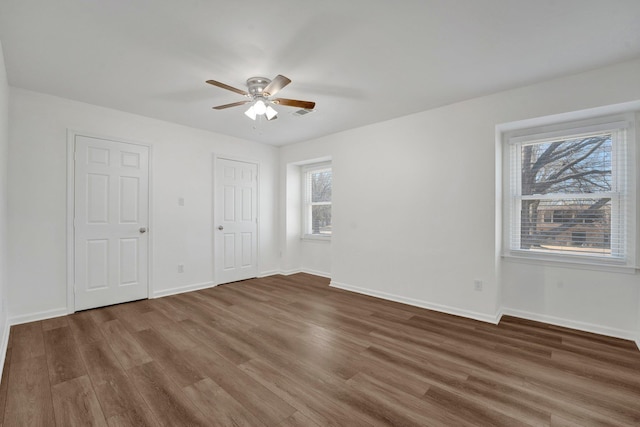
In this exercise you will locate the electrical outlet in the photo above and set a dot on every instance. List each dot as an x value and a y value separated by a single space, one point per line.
180 268
477 285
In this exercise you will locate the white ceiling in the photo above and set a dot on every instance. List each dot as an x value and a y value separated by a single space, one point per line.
362 61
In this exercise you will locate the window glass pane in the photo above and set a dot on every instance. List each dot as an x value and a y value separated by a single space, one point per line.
321 219
321 186
571 166
573 225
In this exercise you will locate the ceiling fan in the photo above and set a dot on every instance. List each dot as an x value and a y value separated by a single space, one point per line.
260 91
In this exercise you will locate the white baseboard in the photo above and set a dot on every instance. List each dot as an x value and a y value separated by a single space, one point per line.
417 303
317 273
290 272
4 344
573 324
40 315
269 273
182 289
296 271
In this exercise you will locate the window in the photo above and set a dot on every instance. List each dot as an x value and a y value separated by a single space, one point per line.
571 193
316 210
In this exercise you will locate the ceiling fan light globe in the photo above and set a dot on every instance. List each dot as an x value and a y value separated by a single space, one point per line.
270 112
259 107
251 113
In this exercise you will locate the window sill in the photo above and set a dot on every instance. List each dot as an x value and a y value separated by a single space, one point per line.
567 261
316 238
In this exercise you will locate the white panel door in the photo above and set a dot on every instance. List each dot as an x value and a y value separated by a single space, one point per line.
111 212
236 220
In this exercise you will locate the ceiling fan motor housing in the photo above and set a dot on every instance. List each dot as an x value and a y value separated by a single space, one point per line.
256 85
262 89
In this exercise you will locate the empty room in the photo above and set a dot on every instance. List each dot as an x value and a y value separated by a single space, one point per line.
173 252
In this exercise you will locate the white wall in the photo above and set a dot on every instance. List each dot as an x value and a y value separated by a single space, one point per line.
4 144
182 160
638 325
291 219
310 256
416 215
316 257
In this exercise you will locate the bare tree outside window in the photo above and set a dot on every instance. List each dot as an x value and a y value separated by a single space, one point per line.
318 185
565 188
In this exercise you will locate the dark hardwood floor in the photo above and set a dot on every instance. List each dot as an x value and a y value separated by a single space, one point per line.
291 351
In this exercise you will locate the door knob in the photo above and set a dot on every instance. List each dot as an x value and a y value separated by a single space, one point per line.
143 230
220 228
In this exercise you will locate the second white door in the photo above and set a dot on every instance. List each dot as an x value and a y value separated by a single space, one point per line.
236 220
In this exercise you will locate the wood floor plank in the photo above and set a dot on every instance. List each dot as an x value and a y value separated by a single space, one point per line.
4 384
121 402
125 347
257 399
84 328
209 336
469 410
167 401
557 421
27 341
63 358
292 351
298 420
395 377
173 363
170 307
322 408
216 404
75 404
605 396
415 411
56 322
198 307
29 393
519 394
599 397
131 315
247 297
102 315
214 308
179 337
607 356
102 364
137 417
341 363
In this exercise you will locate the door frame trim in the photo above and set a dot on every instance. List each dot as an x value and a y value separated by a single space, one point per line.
71 138
214 218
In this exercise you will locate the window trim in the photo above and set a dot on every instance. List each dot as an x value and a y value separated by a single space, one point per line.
306 204
553 130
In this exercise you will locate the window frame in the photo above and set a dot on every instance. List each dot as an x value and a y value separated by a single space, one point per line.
307 204
624 166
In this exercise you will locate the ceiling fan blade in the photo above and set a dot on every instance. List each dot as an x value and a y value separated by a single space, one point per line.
276 84
231 88
234 104
309 105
